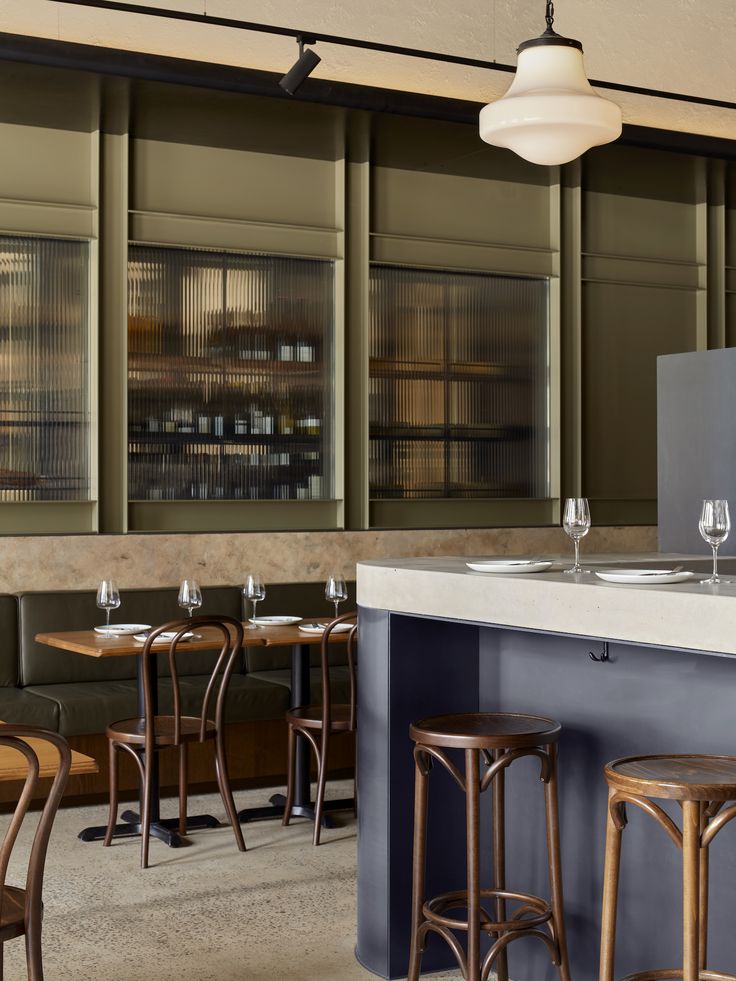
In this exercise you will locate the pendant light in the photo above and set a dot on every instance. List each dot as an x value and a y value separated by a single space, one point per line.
550 114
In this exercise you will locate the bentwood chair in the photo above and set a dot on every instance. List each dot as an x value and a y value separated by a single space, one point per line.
319 723
143 737
21 910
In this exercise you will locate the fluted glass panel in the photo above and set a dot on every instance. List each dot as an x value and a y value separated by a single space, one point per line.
458 385
230 376
44 370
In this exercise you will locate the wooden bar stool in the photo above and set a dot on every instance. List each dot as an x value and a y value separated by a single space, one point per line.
498 739
701 785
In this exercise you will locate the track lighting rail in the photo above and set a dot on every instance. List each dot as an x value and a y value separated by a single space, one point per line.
315 37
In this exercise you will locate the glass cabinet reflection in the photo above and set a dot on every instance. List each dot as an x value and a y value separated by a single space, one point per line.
230 376
458 385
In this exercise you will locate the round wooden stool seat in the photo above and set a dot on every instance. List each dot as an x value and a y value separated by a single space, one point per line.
485 730
682 777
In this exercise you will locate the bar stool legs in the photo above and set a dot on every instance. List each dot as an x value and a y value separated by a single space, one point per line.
532 916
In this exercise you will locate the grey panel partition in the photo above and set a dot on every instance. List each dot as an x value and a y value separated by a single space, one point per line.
696 407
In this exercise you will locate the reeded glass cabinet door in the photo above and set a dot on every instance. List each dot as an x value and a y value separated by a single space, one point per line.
230 377
44 371
458 386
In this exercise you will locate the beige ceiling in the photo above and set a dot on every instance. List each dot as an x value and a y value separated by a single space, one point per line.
681 46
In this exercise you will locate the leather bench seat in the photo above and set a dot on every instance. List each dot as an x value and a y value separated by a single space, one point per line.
339 682
81 709
25 708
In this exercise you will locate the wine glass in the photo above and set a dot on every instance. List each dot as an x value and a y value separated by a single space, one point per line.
576 522
714 526
108 599
336 590
255 591
190 596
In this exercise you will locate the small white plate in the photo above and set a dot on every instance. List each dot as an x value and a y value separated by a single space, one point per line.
275 621
319 628
123 629
165 637
644 577
511 566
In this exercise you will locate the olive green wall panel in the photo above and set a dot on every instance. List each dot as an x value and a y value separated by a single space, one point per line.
435 180
493 512
624 329
220 155
48 136
641 203
193 516
730 320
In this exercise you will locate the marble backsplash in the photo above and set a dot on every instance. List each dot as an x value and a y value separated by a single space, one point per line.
80 561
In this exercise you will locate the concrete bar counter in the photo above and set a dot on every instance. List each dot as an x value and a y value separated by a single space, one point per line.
438 638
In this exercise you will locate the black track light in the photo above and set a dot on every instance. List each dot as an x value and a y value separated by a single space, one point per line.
302 67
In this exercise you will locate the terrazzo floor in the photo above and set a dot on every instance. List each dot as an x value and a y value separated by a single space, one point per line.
283 911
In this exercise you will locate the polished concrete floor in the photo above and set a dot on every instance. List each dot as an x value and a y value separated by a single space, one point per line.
283 911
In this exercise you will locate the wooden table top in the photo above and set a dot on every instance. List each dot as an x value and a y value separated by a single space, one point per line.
97 645
13 765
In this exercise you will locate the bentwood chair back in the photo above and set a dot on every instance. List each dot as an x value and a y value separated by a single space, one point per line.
318 723
155 732
21 910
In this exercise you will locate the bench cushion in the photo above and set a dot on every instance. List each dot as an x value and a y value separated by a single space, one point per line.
339 681
24 708
51 612
297 599
83 709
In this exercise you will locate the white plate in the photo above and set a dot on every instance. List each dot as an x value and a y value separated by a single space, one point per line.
644 577
123 629
511 566
165 637
275 621
319 628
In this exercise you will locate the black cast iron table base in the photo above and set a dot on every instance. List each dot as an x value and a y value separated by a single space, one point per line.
165 829
278 804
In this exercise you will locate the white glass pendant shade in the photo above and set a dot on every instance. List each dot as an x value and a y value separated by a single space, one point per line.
550 114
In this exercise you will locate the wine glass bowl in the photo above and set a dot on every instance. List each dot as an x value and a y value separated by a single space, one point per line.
714 527
108 599
576 523
190 596
254 590
336 590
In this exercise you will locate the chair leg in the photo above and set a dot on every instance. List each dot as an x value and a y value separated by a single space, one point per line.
146 809
290 773
223 781
419 863
499 859
113 781
555 863
610 895
703 896
472 823
319 802
183 781
690 889
34 962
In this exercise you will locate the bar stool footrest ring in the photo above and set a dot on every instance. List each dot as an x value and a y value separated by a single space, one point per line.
435 908
675 974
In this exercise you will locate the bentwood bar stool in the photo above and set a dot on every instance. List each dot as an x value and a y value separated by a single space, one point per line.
494 740
701 785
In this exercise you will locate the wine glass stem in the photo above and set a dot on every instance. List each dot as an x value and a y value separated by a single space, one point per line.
577 553
254 613
337 603
715 561
191 611
107 626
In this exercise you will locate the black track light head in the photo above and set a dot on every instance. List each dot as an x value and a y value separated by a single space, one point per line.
302 67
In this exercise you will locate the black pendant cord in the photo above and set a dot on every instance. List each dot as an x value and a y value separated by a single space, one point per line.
183 15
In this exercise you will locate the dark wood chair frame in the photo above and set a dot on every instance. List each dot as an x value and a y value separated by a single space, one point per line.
21 910
156 732
318 724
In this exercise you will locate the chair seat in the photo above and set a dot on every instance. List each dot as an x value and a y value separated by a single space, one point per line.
310 717
133 730
485 730
678 777
12 913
